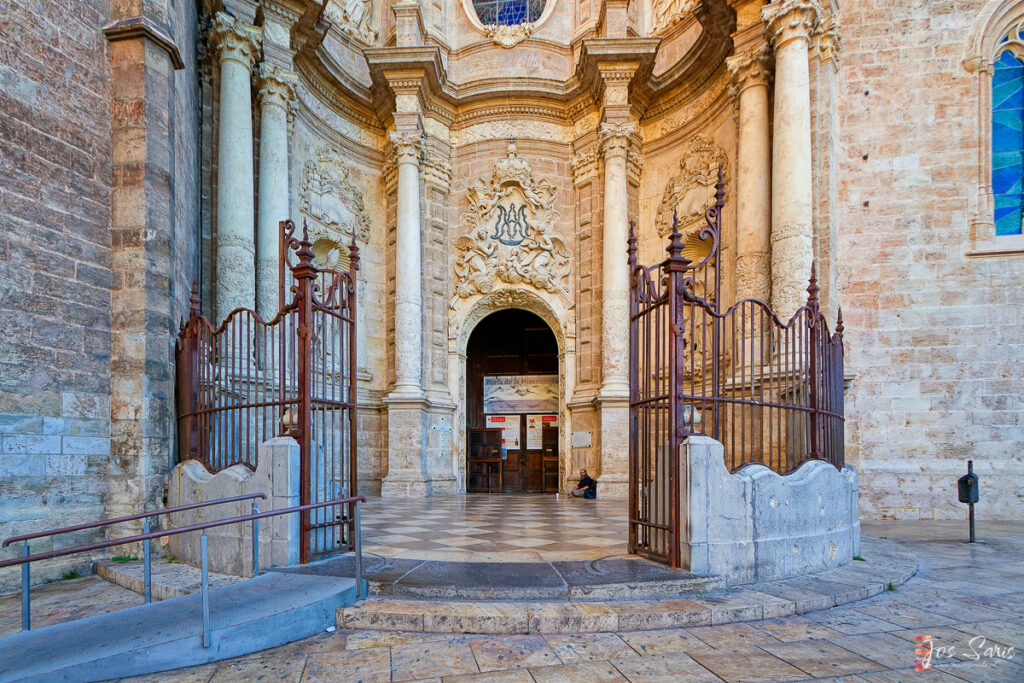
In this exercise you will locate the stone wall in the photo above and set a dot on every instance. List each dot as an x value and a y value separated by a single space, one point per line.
934 336
755 525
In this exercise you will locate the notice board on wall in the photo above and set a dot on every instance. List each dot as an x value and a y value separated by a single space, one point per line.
509 426
535 425
520 394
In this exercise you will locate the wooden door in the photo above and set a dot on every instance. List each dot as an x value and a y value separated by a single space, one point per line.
512 465
550 460
484 464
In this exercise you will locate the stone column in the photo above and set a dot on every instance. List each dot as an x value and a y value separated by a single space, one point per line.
751 75
237 45
615 141
408 147
790 25
275 91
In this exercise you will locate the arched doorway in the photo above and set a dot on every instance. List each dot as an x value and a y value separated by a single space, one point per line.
512 404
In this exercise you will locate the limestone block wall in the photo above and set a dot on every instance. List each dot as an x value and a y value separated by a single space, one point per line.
934 335
758 526
230 547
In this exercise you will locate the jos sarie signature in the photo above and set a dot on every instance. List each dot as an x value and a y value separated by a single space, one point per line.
927 652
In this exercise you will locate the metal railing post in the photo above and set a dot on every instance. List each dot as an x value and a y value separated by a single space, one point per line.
147 565
206 591
256 540
359 553
26 595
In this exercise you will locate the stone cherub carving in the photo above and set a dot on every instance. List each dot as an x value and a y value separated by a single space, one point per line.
512 236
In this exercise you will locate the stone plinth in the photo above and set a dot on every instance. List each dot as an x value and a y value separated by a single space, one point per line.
758 526
230 547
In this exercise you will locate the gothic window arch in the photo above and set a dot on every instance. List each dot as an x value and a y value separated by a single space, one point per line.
995 55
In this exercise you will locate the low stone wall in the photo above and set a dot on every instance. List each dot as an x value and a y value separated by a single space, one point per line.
756 525
230 547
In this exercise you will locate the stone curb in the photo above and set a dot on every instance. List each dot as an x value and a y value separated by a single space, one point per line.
886 563
169 580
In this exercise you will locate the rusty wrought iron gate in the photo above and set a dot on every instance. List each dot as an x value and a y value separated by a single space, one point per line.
250 380
771 392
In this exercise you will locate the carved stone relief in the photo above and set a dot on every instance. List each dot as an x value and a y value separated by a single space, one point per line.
668 13
512 238
508 36
332 204
352 17
691 191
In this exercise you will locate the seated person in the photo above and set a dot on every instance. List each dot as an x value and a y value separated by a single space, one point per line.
587 487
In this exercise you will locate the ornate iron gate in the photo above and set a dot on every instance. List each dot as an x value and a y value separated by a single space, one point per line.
771 392
249 380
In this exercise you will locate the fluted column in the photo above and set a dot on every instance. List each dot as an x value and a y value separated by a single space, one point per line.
275 92
751 75
237 45
408 147
615 141
790 24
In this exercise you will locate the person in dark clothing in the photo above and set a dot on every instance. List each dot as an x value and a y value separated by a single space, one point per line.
587 487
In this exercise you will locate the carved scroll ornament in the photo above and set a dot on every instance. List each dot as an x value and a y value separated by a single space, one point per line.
331 202
512 238
691 191
352 17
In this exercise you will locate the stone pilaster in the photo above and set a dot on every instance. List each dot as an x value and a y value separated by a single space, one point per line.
751 76
275 91
237 46
790 25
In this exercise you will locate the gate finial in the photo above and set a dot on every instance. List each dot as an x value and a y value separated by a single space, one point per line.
194 299
812 286
353 256
675 243
631 249
839 323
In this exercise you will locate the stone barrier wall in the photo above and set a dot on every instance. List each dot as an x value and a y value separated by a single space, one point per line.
230 547
758 526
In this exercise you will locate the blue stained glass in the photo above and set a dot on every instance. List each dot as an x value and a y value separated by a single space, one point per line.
508 12
1008 143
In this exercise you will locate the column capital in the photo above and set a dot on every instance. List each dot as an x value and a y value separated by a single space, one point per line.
789 20
275 85
827 40
614 138
437 170
749 69
236 40
408 147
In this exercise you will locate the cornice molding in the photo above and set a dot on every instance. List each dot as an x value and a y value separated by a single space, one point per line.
143 27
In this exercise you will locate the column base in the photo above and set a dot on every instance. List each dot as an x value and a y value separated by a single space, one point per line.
614 425
417 466
421 488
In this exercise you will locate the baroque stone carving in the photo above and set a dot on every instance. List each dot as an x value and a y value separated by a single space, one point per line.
512 237
791 19
331 202
235 40
275 85
508 36
749 69
828 39
668 13
691 191
352 17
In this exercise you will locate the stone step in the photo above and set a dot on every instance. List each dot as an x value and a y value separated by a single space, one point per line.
168 580
246 617
887 567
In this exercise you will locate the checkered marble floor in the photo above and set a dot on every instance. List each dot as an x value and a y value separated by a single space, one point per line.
480 527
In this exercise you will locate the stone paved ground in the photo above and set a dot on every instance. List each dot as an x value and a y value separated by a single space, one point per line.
967 598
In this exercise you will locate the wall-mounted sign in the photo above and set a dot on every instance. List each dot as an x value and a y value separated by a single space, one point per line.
581 440
520 394
509 426
535 425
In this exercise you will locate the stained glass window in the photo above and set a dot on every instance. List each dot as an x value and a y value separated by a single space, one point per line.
508 12
1008 143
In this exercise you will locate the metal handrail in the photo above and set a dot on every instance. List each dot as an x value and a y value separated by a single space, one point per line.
27 559
129 518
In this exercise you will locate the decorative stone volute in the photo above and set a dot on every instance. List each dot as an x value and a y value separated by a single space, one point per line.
827 40
235 40
790 20
615 138
408 147
749 69
512 237
275 85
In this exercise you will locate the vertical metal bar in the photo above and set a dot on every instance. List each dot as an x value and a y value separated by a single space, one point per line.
206 590
255 539
26 592
358 538
147 564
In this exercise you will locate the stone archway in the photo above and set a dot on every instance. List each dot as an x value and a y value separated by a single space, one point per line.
467 314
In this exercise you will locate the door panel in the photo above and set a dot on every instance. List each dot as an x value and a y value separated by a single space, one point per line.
483 464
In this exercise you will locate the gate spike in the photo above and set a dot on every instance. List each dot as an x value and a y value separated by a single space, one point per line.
675 244
812 286
839 322
353 254
194 299
631 249
720 189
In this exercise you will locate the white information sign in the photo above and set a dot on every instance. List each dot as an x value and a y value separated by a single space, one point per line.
535 425
520 394
509 426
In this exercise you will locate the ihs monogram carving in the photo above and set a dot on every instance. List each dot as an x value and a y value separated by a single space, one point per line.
512 237
691 191
332 204
352 17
